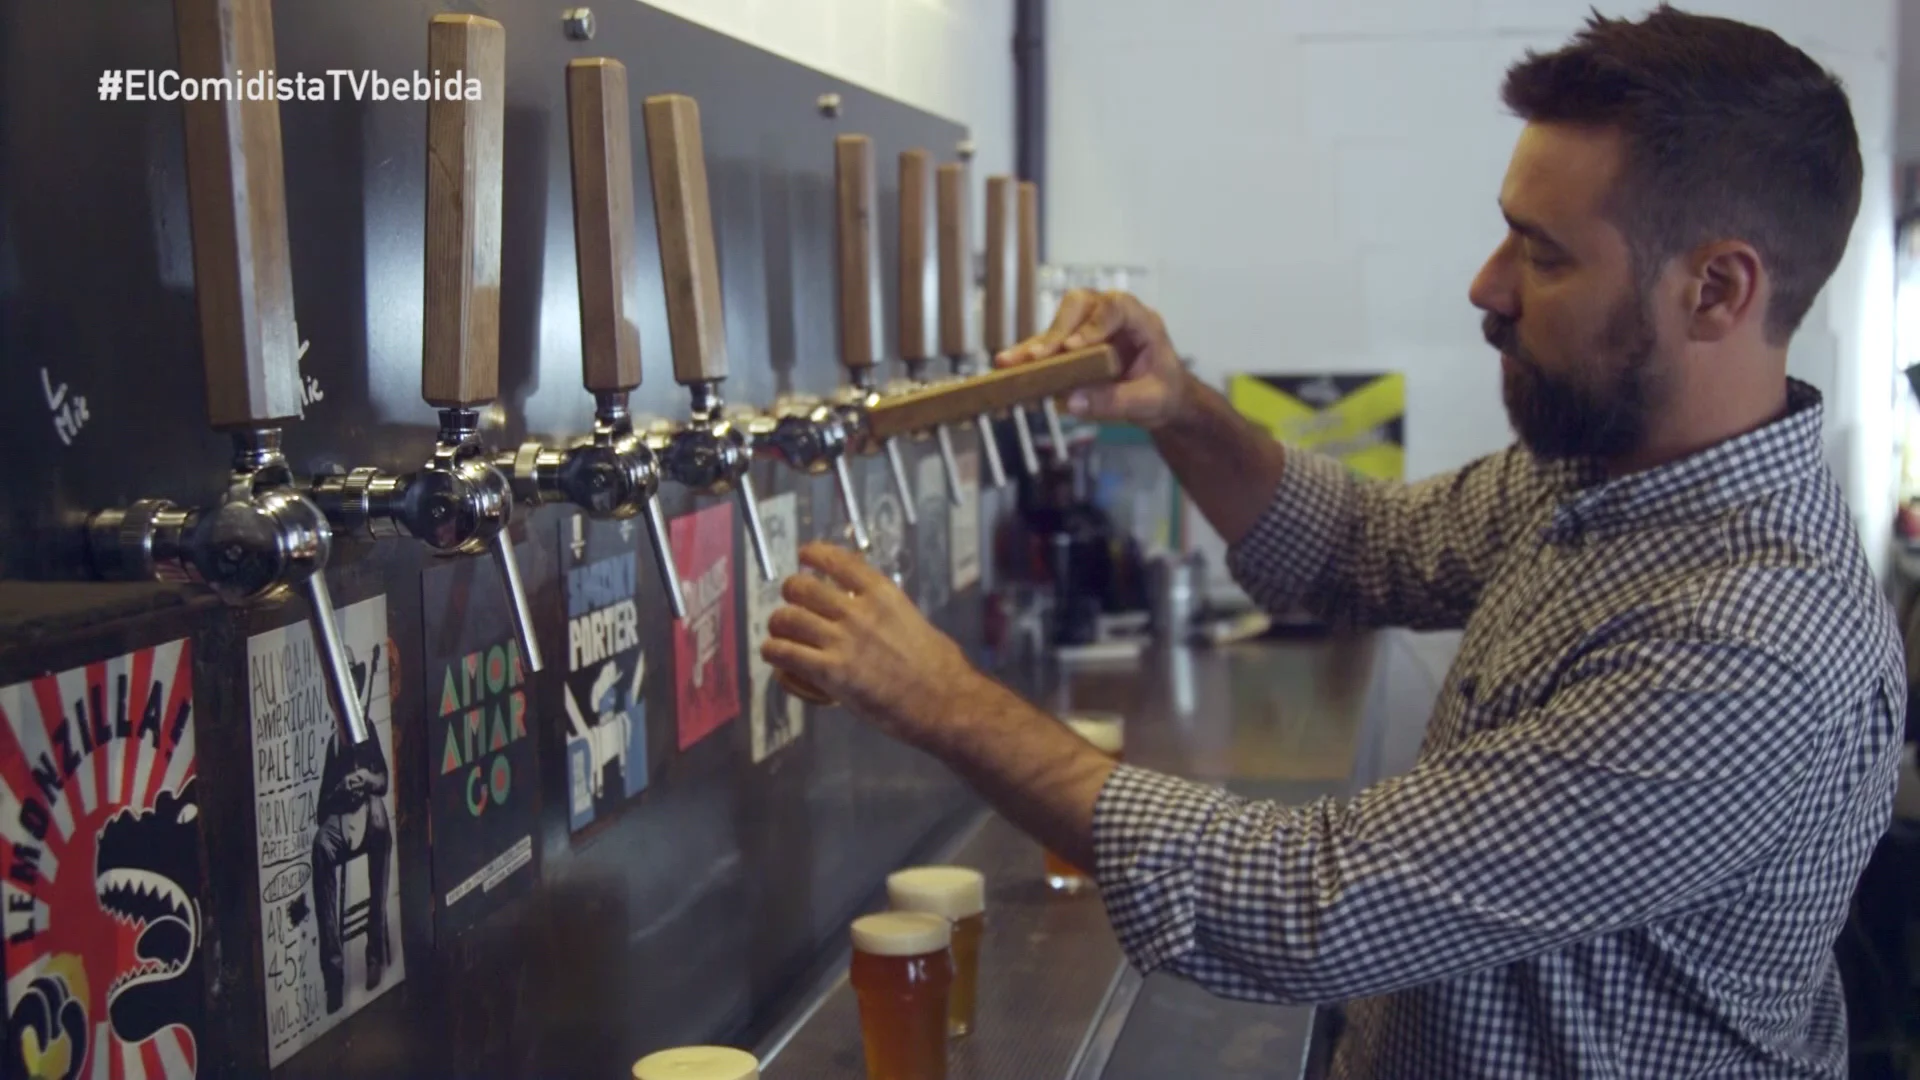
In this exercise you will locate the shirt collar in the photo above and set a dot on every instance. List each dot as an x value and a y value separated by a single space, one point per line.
1719 478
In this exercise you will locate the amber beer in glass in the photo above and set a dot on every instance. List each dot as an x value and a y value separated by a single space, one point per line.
902 975
958 895
698 1063
1107 733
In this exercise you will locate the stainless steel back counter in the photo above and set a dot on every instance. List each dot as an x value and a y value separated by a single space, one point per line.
1291 721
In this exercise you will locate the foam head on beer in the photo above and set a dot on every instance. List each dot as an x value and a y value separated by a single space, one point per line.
1107 732
901 933
698 1063
953 892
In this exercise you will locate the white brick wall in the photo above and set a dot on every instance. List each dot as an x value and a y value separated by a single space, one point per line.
1311 184
953 58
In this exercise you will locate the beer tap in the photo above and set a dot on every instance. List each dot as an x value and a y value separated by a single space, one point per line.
859 279
956 290
811 436
919 285
1002 277
613 473
1026 317
264 539
458 502
708 452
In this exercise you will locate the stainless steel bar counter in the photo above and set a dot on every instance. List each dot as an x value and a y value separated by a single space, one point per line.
1291 721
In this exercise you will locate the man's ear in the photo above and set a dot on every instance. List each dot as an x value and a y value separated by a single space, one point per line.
1726 286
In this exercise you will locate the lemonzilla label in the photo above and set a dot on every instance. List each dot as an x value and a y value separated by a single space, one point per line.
100 844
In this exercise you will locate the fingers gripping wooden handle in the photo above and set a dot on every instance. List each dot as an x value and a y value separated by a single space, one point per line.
460 360
859 250
237 191
689 267
919 277
956 269
1026 309
601 135
1002 249
990 392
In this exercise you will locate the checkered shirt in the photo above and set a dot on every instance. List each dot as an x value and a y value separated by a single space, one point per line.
1653 775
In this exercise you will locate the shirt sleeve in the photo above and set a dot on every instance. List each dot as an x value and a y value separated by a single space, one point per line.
1649 785
1377 553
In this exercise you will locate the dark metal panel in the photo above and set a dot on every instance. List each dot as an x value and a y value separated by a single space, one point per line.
706 898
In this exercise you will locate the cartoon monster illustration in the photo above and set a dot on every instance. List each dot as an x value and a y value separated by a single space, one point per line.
143 872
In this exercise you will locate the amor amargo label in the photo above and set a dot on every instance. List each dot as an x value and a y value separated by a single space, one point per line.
484 771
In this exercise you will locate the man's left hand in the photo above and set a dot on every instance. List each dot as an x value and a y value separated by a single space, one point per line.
854 634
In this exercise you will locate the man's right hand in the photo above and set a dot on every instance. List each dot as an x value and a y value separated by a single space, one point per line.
1153 387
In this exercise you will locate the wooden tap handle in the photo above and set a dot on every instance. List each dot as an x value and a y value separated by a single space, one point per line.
466 158
1026 308
964 399
859 247
1002 247
919 271
237 192
601 136
689 268
956 249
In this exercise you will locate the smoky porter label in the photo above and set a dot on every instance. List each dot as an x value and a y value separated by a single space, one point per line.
606 671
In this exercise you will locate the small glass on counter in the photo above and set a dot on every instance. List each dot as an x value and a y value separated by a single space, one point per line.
697 1063
902 975
957 894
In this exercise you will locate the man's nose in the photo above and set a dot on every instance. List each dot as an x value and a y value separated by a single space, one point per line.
1493 288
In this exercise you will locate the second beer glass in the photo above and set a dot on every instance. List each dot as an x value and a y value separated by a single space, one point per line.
959 895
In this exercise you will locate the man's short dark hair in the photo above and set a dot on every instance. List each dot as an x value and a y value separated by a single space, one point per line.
1730 133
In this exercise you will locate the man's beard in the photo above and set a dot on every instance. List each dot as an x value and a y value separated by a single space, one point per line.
1604 415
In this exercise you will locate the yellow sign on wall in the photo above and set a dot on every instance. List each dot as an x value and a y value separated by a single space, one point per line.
1359 420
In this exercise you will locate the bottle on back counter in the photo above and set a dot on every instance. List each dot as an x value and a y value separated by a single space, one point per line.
959 895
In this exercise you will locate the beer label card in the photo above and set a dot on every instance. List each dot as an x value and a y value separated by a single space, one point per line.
706 646
932 584
886 520
777 717
963 538
324 815
100 839
482 766
606 668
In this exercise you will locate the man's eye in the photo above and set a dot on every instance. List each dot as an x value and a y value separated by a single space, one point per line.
1542 259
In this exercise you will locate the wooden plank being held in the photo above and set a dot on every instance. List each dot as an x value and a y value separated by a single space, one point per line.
994 390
